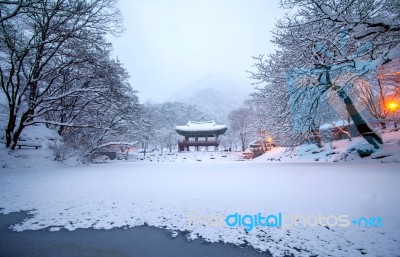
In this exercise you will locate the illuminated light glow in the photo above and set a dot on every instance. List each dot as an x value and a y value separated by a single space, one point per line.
393 106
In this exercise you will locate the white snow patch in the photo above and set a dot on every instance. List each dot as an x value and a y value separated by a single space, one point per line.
201 126
338 151
339 123
164 194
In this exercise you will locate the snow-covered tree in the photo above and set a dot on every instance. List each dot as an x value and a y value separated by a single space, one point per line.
11 8
111 113
241 124
42 51
166 116
322 43
375 91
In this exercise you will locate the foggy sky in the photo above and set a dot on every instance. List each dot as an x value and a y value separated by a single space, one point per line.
169 45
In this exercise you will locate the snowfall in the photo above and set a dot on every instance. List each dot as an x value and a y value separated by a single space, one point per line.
189 193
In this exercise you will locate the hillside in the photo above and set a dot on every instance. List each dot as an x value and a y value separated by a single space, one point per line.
214 96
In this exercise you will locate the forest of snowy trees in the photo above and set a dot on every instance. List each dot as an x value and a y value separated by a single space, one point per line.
56 69
333 59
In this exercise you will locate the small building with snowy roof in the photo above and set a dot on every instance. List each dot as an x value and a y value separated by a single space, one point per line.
200 133
338 130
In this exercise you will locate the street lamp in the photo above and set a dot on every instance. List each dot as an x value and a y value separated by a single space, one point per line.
393 107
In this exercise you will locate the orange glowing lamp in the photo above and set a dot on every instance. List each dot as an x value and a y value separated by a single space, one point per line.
269 140
393 106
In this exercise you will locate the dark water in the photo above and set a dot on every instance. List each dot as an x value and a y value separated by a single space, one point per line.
141 241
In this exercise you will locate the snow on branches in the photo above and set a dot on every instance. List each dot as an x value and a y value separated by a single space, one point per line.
324 47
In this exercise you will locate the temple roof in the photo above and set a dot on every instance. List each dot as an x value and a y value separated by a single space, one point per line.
201 128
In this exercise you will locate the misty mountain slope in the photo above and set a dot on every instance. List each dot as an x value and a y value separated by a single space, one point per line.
215 97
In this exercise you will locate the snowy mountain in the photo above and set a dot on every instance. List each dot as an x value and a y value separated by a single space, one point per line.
214 96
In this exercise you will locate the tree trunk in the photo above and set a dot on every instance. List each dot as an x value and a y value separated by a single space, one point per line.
10 126
32 99
16 137
359 121
317 136
243 140
17 132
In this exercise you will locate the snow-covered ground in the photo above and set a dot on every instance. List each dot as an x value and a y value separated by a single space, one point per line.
192 156
339 151
29 157
193 196
196 191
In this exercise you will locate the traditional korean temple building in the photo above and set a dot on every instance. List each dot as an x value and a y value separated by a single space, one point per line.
204 133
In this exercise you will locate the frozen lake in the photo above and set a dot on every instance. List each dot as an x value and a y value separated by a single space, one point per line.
187 199
141 241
